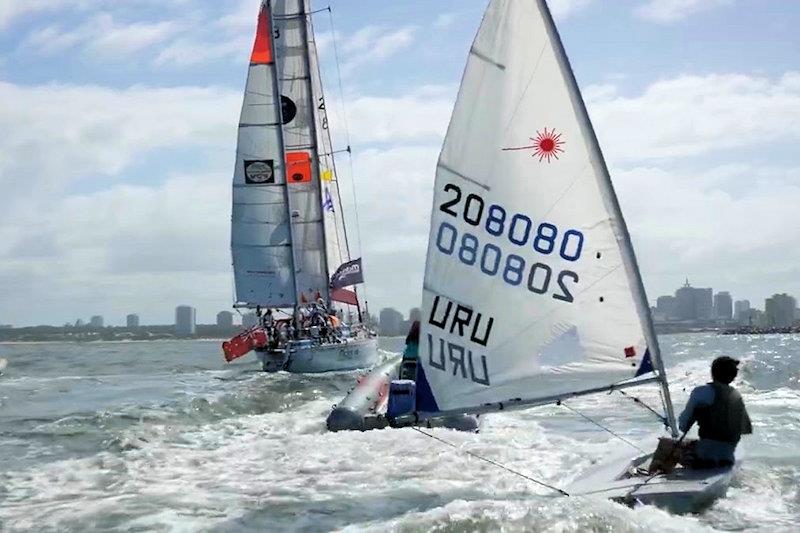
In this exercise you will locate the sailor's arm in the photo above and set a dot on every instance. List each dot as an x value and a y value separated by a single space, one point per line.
686 419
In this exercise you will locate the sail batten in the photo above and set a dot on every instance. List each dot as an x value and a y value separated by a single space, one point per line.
526 238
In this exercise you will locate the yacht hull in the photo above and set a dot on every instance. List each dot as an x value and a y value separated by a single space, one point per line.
350 354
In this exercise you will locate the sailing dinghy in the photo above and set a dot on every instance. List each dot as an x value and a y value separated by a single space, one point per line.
288 236
532 294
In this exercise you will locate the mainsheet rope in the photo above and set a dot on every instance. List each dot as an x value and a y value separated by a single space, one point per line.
582 415
601 426
493 463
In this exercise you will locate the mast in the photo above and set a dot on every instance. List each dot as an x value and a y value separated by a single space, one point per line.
279 111
629 256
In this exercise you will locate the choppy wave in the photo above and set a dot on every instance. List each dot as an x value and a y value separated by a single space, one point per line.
189 444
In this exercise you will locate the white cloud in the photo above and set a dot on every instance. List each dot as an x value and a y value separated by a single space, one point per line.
373 43
101 35
149 247
184 52
696 115
691 223
419 116
10 10
123 249
562 9
61 133
444 21
666 11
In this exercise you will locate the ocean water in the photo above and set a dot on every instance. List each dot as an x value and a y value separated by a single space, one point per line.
163 436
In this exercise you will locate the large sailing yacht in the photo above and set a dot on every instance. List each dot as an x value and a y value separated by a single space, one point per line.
287 230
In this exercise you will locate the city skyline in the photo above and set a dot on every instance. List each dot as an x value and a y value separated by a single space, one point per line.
121 118
239 317
702 304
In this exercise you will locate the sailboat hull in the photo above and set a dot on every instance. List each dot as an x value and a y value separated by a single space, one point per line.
349 355
683 491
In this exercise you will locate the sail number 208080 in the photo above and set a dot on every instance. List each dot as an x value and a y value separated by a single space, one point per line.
520 231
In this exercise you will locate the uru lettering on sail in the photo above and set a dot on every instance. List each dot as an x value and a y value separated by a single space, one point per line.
459 358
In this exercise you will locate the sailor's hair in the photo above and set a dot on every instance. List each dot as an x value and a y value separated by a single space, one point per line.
724 369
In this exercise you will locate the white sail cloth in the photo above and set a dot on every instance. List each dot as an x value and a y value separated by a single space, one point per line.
531 289
260 235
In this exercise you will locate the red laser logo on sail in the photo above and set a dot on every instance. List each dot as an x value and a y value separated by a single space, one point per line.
546 145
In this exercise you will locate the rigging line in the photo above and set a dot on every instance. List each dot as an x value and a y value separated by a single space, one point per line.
301 15
598 424
346 131
494 463
638 401
327 144
350 161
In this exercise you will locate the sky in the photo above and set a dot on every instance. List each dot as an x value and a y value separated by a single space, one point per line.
118 132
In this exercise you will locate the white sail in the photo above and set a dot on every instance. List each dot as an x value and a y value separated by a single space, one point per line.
291 37
260 234
531 288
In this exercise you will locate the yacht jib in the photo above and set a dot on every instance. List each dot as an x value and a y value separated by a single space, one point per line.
288 232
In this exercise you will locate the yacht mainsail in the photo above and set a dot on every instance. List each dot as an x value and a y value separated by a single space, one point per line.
531 291
287 228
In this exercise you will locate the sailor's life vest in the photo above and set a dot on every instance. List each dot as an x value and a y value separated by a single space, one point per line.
411 351
726 419
408 365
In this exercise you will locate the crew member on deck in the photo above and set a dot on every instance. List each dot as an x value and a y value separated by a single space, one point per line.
720 414
268 320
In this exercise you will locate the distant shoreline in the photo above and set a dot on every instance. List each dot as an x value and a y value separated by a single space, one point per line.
113 341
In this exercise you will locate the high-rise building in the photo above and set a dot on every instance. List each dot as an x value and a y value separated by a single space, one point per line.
779 310
225 319
391 321
740 308
666 306
693 303
704 300
96 321
723 306
185 320
132 321
752 317
249 320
